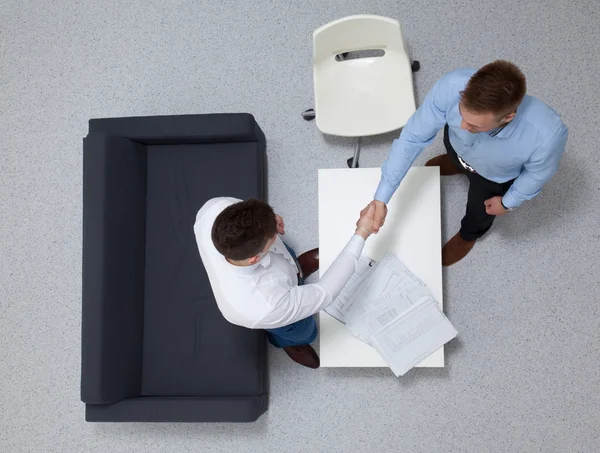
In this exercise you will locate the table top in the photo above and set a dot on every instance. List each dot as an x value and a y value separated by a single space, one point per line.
412 230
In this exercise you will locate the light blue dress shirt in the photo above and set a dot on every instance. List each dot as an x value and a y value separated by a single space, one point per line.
528 148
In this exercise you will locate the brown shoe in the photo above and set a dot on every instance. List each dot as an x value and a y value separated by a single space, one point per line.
455 250
447 167
309 262
304 355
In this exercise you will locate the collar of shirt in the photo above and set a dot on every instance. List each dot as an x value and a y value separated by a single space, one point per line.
507 130
265 261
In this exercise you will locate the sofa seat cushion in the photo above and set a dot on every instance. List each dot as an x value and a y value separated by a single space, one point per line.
188 347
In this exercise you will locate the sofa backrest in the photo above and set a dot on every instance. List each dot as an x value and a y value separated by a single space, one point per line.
183 129
114 215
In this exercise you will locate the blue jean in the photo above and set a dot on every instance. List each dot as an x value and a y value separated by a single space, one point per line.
298 333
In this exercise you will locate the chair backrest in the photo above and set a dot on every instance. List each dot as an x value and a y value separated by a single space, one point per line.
355 33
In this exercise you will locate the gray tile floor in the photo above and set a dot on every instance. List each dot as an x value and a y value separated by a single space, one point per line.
524 375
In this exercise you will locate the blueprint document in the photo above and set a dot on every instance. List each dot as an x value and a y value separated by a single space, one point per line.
385 305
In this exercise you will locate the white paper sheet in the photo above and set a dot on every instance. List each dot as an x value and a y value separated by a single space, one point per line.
419 332
387 306
341 305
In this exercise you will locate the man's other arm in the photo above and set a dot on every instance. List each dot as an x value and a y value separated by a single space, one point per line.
538 170
418 133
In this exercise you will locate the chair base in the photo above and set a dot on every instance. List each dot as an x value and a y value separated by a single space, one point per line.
351 164
353 161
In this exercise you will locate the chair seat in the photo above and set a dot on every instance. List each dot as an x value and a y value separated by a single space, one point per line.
363 96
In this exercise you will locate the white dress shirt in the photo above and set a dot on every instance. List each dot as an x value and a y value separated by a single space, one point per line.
266 294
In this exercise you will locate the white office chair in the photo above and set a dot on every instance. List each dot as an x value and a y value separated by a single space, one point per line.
362 78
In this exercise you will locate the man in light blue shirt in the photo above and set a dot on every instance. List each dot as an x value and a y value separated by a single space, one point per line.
508 144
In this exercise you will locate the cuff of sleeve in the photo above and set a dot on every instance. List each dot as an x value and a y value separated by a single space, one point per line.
384 192
510 200
355 245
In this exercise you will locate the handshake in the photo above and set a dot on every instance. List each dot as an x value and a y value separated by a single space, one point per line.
372 218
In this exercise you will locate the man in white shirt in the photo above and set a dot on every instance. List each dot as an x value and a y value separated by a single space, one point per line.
256 280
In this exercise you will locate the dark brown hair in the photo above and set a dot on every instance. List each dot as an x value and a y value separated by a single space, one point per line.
242 230
498 87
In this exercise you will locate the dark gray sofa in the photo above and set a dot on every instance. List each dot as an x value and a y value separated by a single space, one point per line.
155 347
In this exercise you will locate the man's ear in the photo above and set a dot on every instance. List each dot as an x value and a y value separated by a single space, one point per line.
255 259
509 117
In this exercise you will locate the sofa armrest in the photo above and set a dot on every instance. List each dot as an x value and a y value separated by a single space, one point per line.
181 409
183 129
114 217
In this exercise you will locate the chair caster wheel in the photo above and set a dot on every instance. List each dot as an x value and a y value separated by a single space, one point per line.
309 115
415 66
349 162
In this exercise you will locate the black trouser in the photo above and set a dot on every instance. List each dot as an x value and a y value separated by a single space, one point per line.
476 221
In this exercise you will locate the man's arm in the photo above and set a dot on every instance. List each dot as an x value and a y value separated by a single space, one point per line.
537 171
303 301
419 132
299 302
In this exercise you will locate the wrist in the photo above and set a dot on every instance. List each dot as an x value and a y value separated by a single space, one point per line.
363 233
505 208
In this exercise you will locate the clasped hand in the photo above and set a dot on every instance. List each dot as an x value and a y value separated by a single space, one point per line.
378 210
371 218
374 213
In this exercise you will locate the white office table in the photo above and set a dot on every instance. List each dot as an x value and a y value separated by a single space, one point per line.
412 230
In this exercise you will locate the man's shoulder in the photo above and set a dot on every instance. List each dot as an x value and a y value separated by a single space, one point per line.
217 204
250 297
212 208
541 118
457 80
204 222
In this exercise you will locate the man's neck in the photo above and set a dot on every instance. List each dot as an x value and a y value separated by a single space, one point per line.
243 263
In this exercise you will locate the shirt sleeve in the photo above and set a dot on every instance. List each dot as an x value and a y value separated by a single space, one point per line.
419 132
537 171
303 301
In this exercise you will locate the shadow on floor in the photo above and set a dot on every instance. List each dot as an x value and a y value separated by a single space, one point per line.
409 379
177 431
